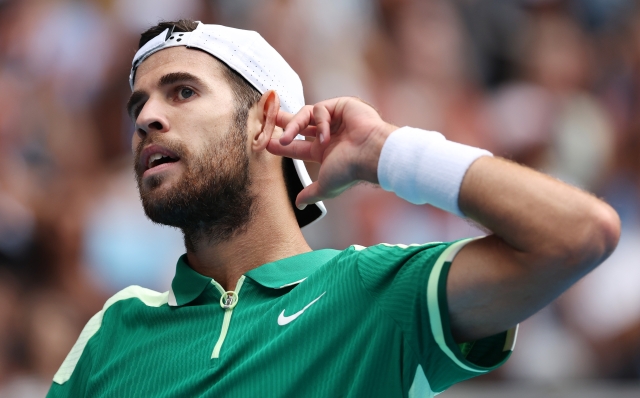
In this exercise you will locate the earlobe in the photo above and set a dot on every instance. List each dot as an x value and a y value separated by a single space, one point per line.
269 105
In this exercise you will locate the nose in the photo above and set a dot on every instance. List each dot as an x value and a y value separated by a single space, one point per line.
151 119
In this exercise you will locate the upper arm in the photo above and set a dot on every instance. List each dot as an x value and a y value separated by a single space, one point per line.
491 287
548 234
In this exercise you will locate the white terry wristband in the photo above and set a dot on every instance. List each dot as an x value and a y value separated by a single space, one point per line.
423 167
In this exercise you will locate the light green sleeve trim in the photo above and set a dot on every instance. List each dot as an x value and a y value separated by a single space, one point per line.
400 245
420 387
403 246
148 297
434 306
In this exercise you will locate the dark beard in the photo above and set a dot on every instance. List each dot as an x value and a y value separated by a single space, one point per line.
211 202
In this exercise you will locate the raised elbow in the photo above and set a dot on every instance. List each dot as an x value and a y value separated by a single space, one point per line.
608 224
598 237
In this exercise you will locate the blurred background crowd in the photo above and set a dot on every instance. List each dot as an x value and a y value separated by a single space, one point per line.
552 84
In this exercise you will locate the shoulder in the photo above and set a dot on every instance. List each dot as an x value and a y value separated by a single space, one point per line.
415 262
132 299
148 297
127 297
394 253
130 296
128 303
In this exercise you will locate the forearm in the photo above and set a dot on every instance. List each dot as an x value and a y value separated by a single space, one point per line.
538 215
533 213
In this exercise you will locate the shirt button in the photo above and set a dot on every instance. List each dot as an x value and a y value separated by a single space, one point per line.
229 300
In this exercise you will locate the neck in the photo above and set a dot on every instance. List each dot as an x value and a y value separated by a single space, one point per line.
271 235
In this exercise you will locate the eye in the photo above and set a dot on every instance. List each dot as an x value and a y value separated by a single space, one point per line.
185 92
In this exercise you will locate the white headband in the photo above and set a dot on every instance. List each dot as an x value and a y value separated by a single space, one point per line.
244 51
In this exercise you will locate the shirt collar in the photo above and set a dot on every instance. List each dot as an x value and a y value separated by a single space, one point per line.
291 270
187 284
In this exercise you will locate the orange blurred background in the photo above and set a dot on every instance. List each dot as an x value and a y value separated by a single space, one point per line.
553 84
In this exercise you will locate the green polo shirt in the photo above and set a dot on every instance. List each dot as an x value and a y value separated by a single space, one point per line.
362 322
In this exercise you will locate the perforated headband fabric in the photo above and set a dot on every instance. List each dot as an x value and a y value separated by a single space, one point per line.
253 58
244 51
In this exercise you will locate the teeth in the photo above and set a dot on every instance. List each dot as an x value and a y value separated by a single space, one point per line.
153 158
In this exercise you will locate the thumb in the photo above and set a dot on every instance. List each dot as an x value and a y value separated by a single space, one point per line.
311 194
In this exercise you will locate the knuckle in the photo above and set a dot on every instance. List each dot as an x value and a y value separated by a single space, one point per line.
306 111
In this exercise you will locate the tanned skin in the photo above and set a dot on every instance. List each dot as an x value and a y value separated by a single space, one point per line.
545 234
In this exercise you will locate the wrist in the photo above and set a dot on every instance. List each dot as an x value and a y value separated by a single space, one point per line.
367 165
423 167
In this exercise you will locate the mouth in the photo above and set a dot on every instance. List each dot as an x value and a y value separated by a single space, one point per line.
156 158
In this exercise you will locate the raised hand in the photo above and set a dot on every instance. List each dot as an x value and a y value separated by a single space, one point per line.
347 137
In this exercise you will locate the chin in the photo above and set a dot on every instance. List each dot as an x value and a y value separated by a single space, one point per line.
157 181
155 188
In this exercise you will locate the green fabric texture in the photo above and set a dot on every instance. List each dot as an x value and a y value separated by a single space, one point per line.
289 270
351 323
187 285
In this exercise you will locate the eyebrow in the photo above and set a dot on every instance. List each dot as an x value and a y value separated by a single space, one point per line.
171 78
166 80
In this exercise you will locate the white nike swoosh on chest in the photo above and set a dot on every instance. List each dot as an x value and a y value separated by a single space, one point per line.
283 320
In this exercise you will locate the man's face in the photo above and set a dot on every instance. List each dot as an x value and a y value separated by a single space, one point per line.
191 162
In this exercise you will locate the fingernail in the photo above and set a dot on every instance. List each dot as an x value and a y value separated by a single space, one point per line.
301 206
321 138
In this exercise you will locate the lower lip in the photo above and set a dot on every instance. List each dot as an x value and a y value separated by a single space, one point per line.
158 169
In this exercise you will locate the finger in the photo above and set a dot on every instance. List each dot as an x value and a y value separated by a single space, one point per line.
310 131
322 119
311 194
282 118
298 149
325 113
297 123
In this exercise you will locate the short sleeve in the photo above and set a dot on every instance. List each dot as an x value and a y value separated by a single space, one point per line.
409 284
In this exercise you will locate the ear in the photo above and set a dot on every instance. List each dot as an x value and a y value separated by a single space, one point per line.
268 106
